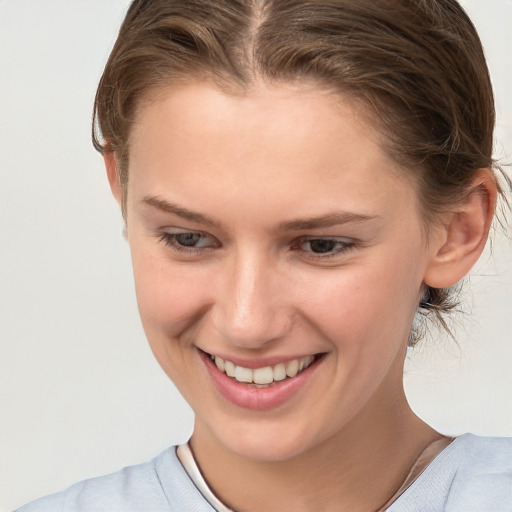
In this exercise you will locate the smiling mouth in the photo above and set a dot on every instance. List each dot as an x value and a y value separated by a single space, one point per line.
266 376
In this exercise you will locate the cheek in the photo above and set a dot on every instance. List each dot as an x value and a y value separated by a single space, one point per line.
371 305
170 297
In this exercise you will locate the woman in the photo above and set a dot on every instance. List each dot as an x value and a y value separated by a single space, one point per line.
299 182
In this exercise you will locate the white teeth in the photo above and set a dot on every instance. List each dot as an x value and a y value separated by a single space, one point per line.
220 363
262 377
279 371
292 368
243 374
229 368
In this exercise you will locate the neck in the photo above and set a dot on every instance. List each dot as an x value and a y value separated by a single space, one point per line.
357 469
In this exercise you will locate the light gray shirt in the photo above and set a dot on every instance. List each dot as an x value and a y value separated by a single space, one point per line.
473 474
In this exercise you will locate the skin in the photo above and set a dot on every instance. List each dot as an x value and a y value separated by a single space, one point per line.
246 169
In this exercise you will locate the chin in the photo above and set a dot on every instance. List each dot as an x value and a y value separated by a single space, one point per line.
265 451
263 441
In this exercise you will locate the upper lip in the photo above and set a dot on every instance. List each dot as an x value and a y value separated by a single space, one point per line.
259 362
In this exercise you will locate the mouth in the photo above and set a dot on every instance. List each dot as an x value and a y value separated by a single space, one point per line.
266 376
261 388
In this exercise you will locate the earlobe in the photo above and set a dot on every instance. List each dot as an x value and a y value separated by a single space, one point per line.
113 175
462 239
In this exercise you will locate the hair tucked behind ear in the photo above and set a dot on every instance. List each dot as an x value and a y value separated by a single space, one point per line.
417 66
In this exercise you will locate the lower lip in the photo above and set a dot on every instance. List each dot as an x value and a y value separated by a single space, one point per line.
258 399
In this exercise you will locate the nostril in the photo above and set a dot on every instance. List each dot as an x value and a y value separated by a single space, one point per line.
251 329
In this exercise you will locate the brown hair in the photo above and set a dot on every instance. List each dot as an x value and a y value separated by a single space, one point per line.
417 64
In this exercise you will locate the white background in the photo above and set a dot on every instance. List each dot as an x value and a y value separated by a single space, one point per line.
80 394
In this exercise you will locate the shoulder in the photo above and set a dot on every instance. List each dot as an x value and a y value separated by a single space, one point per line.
133 488
483 475
472 474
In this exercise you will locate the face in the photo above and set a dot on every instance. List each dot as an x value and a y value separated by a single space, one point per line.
271 232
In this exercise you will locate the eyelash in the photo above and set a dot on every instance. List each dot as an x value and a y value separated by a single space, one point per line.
171 240
343 246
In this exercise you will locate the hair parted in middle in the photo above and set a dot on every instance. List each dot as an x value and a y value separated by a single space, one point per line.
416 68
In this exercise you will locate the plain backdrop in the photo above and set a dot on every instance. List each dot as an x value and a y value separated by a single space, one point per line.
80 393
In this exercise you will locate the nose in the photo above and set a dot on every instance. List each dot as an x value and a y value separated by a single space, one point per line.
251 306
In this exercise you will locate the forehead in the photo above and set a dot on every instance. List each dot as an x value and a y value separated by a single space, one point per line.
301 116
296 142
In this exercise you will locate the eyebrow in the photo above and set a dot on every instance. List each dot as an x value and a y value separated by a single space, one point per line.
323 221
167 207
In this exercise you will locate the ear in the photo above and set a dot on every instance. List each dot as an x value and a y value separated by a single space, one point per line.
459 243
113 176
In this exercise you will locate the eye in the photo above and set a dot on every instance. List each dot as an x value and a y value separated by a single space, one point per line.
323 247
192 242
190 239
